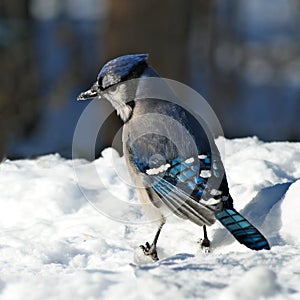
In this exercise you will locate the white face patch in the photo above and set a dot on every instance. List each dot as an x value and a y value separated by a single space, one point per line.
202 156
155 171
118 97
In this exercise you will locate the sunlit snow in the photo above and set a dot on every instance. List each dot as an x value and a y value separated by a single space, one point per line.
56 243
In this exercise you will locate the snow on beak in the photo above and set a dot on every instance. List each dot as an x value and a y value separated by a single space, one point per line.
91 93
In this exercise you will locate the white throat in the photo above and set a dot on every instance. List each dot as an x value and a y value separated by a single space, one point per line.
118 99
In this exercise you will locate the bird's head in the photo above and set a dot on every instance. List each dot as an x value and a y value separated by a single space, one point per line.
108 84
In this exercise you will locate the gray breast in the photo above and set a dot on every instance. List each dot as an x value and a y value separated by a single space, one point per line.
160 131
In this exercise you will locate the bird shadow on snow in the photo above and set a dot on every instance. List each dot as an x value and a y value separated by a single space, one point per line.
178 262
172 260
264 212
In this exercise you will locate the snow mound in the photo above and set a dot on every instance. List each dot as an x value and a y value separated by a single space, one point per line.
257 283
60 239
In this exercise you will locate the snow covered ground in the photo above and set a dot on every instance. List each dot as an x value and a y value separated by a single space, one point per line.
56 241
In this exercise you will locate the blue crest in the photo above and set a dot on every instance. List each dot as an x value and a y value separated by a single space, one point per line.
120 69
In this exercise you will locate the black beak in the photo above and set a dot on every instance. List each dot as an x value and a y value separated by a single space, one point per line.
91 93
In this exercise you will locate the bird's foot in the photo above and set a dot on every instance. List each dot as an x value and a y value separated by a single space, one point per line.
150 250
205 245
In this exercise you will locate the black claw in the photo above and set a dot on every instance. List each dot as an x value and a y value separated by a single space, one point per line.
205 245
150 250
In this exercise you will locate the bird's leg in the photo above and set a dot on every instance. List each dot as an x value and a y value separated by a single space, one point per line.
151 249
205 244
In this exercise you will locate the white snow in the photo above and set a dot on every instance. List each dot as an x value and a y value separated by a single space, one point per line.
57 241
160 169
190 160
205 173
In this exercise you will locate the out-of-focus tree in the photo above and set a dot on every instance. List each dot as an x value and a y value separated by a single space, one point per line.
255 68
243 56
18 80
67 42
160 28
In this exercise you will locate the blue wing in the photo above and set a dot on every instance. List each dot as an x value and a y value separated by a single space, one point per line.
183 190
192 185
182 204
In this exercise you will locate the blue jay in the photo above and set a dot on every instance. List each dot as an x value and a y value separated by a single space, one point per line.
174 168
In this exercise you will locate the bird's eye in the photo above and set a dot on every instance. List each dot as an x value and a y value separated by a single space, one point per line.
113 88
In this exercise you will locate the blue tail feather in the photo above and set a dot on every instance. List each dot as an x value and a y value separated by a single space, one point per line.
242 229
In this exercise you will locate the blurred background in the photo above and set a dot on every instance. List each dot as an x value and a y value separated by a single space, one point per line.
242 56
